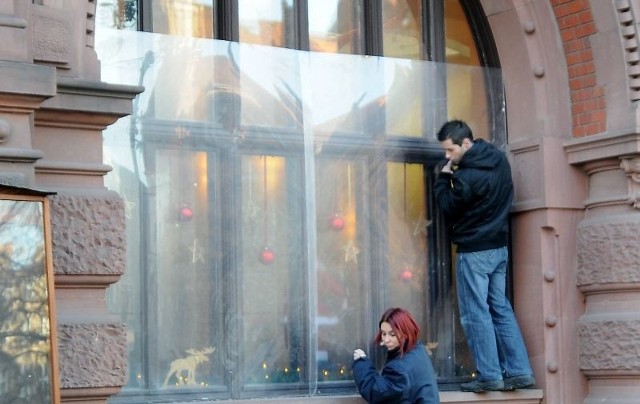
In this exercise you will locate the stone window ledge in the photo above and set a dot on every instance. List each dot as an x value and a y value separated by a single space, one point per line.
528 396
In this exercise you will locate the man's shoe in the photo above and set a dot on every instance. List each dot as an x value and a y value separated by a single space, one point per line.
478 386
519 382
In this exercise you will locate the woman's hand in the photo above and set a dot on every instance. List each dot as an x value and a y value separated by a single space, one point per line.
358 354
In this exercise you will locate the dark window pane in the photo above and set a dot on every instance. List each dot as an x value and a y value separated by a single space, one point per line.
118 14
341 265
407 235
467 96
402 28
187 352
459 41
402 38
266 22
336 26
193 18
271 269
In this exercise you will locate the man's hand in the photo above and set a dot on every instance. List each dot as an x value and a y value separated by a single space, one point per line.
447 167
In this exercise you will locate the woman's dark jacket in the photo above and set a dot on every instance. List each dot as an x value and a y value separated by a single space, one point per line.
404 379
476 198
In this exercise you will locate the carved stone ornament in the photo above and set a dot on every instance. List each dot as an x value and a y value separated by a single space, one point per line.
631 167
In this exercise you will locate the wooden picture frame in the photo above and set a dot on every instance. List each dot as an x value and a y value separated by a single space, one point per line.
28 342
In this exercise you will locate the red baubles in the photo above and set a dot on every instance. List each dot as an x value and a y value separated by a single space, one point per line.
406 275
336 222
267 256
185 214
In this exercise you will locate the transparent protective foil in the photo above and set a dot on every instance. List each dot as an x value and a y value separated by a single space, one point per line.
277 201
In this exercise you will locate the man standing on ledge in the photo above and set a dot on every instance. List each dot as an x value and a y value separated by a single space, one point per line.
474 190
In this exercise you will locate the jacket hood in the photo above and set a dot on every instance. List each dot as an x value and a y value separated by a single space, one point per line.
481 155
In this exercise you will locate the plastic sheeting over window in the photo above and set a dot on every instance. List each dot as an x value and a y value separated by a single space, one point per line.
277 201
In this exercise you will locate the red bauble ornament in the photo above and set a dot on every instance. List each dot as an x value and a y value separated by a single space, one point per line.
407 275
267 256
185 214
336 222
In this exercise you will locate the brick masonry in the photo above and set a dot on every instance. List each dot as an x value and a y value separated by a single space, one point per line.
588 106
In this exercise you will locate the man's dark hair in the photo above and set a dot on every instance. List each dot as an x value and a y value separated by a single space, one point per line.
455 130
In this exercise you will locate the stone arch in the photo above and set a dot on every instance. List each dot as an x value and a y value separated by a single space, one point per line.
534 68
572 80
572 68
540 104
616 57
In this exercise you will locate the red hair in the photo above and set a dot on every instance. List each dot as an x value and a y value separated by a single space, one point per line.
403 325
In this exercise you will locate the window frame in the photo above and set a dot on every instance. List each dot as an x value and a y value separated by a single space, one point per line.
213 140
406 149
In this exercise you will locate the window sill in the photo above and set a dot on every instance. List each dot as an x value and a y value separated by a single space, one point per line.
527 396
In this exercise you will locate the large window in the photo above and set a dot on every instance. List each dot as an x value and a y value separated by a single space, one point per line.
278 200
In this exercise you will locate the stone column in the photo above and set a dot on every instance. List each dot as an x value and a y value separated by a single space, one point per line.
23 87
87 220
548 206
88 235
608 267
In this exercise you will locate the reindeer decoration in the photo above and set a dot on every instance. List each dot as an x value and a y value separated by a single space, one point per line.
188 364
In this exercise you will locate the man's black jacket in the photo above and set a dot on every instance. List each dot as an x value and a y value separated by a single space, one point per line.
476 198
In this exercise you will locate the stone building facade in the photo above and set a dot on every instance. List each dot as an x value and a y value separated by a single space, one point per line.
572 79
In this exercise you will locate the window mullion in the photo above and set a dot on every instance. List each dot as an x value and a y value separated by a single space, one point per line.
226 15
145 16
301 22
373 27
433 32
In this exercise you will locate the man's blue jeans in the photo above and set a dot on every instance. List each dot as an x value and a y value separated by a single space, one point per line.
486 315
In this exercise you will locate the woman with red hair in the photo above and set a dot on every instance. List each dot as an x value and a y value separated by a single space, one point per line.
407 375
